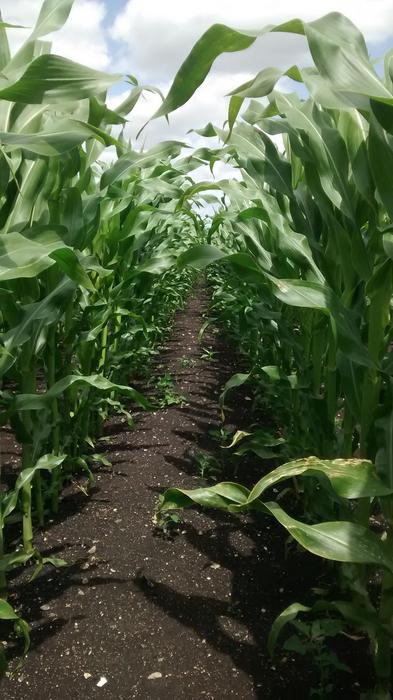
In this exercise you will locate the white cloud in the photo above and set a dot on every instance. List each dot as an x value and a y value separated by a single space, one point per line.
82 39
208 104
150 38
158 35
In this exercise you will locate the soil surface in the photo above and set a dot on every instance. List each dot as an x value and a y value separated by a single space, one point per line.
136 615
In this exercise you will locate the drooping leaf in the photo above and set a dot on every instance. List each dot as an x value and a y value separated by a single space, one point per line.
132 160
36 402
290 613
215 41
337 540
50 78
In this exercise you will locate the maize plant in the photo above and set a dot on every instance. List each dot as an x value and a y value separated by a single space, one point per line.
95 258
302 279
88 283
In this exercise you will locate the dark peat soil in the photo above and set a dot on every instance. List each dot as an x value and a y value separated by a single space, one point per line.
135 615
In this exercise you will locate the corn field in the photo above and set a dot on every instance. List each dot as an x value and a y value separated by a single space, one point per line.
96 258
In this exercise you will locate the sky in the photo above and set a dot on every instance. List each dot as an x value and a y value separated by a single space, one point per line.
151 38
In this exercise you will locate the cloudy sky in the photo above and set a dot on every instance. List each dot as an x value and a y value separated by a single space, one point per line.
150 39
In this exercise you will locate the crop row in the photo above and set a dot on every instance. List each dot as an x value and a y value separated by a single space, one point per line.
88 285
301 263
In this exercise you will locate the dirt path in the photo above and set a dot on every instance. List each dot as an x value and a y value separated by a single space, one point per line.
161 619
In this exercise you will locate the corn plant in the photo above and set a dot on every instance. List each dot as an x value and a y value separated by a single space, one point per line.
305 242
88 281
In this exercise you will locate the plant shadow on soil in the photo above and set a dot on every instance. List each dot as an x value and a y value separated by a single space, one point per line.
45 590
263 579
236 626
206 599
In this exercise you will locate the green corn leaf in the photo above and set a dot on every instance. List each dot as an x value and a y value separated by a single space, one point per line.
33 318
46 462
52 79
36 402
388 244
235 104
238 379
15 559
196 189
4 45
290 613
381 162
52 16
338 541
350 478
25 257
132 161
21 257
8 25
259 441
53 141
347 69
156 265
219 496
200 256
7 612
215 41
265 81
